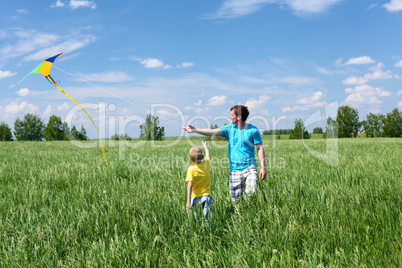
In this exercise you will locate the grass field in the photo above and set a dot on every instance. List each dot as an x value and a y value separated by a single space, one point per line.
62 206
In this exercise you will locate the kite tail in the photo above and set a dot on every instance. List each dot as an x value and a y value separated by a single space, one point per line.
54 83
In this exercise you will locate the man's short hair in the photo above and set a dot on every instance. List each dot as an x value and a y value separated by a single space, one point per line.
241 110
196 154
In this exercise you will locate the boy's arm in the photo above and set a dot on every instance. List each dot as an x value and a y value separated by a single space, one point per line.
204 143
189 191
203 131
261 156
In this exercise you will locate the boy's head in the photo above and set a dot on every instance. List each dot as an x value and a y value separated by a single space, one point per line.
196 154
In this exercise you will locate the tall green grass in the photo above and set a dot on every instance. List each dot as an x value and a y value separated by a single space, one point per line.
62 206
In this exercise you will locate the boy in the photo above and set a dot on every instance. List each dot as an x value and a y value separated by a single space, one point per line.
199 180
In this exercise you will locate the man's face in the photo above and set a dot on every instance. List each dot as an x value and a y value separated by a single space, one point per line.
233 117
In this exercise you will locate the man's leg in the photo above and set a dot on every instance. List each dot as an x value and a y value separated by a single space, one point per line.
251 180
236 184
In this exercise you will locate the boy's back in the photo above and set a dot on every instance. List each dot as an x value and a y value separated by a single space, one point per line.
200 176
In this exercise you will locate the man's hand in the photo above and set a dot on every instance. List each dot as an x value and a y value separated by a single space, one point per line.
189 129
263 173
188 205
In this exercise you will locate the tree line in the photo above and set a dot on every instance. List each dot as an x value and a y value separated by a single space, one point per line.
33 128
347 125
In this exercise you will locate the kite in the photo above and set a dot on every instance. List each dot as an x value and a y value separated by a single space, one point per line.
44 69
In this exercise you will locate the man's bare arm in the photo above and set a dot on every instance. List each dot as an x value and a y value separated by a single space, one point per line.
203 131
261 156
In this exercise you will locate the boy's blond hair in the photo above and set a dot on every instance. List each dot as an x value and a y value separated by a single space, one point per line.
196 154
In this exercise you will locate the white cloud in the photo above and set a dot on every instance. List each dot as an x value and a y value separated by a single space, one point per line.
365 95
377 73
217 100
151 63
298 80
48 111
313 101
254 104
307 103
372 6
25 42
400 105
23 92
393 6
108 77
23 107
349 90
57 4
64 106
5 74
70 45
22 11
165 113
237 8
185 64
354 80
197 103
16 43
400 92
360 60
303 7
294 108
323 71
82 3
398 64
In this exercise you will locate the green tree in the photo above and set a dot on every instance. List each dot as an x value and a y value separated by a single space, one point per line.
347 119
82 135
54 130
116 137
392 124
66 130
29 129
214 137
299 132
74 133
372 126
5 132
78 135
331 130
317 130
150 129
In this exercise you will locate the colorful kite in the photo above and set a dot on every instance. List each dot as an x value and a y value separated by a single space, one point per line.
44 69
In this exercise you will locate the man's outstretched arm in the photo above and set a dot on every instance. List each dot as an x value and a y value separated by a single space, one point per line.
203 131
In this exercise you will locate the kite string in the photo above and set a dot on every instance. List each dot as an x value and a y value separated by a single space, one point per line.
100 139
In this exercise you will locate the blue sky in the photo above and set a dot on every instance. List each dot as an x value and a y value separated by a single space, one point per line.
190 61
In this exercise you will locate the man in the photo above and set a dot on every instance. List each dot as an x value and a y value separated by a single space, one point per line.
242 139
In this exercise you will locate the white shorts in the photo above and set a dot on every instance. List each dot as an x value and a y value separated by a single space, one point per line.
243 180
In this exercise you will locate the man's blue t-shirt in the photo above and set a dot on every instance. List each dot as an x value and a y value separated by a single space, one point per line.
241 145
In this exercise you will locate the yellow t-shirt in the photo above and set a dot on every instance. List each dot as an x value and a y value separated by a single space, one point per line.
199 175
